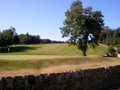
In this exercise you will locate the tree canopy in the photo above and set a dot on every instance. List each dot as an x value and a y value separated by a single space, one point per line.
82 26
110 36
7 37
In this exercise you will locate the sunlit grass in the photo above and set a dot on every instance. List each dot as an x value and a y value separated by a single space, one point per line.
80 62
48 58
52 49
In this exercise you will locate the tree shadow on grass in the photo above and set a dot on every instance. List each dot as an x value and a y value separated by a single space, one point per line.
16 49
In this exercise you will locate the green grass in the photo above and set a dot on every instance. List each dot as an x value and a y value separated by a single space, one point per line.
48 63
28 57
23 54
51 58
52 49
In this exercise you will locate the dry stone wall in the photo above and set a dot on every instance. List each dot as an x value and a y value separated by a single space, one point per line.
88 79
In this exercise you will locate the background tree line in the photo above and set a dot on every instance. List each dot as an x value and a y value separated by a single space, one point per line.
110 36
10 36
34 39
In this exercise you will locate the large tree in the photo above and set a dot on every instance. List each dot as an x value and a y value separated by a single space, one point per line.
82 26
8 37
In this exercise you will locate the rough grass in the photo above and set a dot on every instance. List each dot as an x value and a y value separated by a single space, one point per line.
48 58
61 64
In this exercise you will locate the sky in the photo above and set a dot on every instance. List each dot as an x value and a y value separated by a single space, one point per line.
45 17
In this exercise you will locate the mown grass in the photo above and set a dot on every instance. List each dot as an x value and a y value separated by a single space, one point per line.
52 49
29 57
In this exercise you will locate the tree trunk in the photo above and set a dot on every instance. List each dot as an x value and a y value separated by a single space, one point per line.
84 49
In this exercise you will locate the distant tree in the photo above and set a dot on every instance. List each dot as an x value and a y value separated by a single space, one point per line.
110 36
15 35
45 41
116 35
6 37
1 43
54 41
16 39
104 35
29 39
82 26
102 38
24 38
35 39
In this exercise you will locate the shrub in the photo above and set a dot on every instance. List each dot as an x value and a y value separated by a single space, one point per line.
111 52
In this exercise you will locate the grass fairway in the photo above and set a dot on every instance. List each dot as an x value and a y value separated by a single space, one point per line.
52 49
49 58
28 57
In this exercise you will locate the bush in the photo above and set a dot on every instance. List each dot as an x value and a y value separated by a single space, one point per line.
111 52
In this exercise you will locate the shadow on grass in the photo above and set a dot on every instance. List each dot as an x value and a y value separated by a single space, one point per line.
16 49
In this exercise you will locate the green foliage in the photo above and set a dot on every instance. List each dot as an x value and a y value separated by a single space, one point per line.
45 41
29 39
34 39
111 52
110 36
82 25
25 38
16 39
8 37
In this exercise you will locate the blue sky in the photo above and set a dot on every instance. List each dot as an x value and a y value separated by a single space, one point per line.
45 17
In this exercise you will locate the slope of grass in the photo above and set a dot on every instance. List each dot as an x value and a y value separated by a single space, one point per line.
48 58
36 66
52 49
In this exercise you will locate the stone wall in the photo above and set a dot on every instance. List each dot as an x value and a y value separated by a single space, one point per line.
88 79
